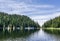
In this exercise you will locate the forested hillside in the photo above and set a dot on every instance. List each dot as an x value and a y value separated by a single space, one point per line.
54 23
16 20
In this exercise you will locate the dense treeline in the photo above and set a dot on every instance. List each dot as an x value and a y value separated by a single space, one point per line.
16 21
53 23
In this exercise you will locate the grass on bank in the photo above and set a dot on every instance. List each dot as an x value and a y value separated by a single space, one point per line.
51 28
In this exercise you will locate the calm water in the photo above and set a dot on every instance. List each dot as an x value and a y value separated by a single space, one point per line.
29 35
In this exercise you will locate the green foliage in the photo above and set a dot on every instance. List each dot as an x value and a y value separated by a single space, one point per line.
53 23
16 20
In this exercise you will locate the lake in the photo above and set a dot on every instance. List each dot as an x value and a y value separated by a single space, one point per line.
30 35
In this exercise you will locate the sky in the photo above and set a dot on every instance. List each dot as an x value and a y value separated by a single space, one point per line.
38 10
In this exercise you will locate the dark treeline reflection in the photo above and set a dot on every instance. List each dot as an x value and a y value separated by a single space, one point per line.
52 31
16 34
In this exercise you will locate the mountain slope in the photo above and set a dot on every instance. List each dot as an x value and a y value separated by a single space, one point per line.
16 20
53 23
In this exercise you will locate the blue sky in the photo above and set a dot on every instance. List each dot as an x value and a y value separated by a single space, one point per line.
38 10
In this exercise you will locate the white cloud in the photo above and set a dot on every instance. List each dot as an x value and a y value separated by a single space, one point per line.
42 6
41 19
12 6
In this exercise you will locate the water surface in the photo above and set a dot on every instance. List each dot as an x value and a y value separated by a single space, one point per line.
29 35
